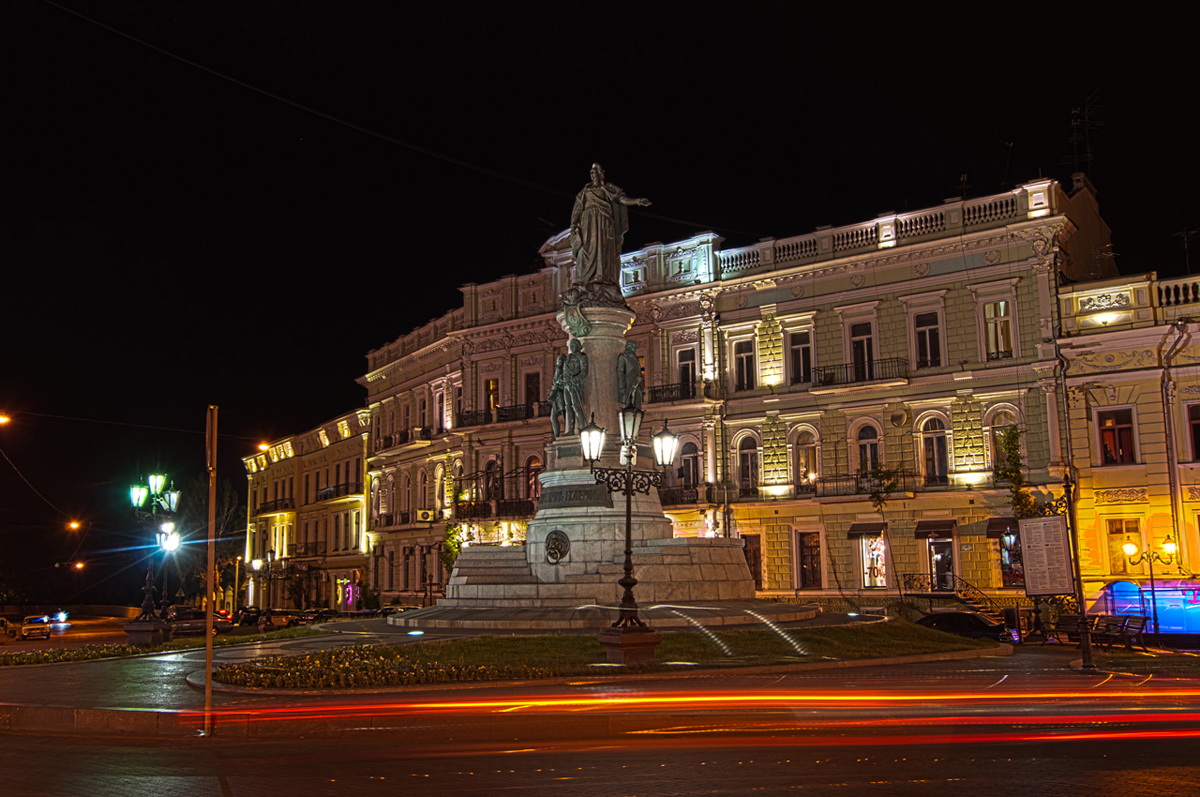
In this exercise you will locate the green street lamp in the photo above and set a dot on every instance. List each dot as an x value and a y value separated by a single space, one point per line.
148 500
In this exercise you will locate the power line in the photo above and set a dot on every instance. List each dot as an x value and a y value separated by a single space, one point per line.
371 132
31 487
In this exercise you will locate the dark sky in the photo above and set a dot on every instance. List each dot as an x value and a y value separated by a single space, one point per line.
173 239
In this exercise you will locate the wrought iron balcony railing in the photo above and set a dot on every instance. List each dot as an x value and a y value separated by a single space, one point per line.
474 418
339 490
677 392
678 496
859 372
278 505
862 484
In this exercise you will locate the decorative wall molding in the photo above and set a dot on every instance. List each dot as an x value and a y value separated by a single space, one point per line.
1122 495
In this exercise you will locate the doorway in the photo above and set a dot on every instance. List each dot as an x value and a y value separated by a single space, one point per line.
753 551
941 565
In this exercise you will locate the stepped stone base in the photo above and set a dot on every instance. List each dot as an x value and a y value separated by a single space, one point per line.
667 570
671 616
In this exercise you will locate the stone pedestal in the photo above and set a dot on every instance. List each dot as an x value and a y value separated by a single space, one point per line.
148 632
629 646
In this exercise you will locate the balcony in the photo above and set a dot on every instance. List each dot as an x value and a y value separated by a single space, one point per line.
516 412
473 510
678 496
862 484
303 549
388 519
677 392
474 418
339 490
890 369
515 508
278 505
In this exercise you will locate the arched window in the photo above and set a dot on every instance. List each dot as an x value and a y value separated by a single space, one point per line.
493 484
533 487
935 461
406 494
748 467
868 448
390 498
439 488
689 472
806 462
422 490
1002 421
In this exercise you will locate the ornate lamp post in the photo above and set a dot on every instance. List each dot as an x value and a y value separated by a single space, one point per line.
1151 556
148 500
270 568
627 481
256 566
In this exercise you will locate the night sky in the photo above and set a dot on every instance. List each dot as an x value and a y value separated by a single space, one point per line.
174 238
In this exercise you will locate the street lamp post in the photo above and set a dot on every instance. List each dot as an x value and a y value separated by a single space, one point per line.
148 500
236 562
1150 556
256 579
270 568
627 481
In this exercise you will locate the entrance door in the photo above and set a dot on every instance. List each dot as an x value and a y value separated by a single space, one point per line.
753 551
941 564
808 550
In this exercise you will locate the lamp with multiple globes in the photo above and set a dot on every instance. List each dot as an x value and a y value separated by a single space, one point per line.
627 481
1150 556
149 500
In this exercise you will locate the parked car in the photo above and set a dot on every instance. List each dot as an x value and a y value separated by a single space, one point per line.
248 615
35 625
8 628
285 618
314 616
968 624
190 620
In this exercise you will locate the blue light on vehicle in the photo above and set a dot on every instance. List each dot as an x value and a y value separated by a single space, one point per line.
416 633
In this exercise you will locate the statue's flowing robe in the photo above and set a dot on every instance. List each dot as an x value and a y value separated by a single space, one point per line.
599 222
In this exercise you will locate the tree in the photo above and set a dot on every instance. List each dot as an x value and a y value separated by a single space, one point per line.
1010 470
451 546
192 557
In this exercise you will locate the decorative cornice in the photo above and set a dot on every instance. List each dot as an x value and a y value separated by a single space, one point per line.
1122 495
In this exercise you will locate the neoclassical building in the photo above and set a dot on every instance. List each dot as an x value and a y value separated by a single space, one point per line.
798 372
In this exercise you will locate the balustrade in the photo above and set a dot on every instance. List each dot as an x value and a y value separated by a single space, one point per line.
865 371
676 392
1178 292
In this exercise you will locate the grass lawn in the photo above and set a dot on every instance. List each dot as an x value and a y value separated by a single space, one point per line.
1165 663
90 652
525 657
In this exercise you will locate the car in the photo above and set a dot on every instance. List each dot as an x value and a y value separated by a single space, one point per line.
35 625
968 624
247 615
191 619
9 627
314 616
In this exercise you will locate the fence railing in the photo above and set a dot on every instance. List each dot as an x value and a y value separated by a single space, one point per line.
678 496
676 392
865 371
862 484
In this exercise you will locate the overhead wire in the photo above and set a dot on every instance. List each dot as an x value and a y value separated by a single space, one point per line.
370 131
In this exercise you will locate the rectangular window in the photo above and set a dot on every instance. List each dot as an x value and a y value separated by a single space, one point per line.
808 561
458 401
743 360
1120 532
1194 426
439 419
307 491
873 555
862 351
1116 437
492 399
533 388
997 319
687 366
421 419
407 417
800 346
929 340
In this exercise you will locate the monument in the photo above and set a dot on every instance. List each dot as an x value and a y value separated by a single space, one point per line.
574 546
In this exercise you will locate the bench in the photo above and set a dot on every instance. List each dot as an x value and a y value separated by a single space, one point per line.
1067 625
1126 630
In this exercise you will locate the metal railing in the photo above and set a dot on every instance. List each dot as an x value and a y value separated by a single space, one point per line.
509 508
861 484
678 496
339 490
387 519
866 371
950 584
677 392
278 505
474 418
473 510
315 548
515 412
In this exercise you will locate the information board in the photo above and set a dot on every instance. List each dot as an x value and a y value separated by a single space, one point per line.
1046 551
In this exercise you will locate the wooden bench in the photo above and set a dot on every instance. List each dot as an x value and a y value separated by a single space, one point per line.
1126 630
1067 626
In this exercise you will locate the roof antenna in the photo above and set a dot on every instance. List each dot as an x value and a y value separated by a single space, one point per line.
1187 235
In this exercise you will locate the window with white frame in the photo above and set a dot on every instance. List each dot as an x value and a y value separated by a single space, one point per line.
927 331
996 316
1001 422
689 470
868 448
1115 429
1120 532
685 360
862 350
747 467
935 459
743 365
800 357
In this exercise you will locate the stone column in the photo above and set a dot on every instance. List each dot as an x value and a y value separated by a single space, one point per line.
1050 389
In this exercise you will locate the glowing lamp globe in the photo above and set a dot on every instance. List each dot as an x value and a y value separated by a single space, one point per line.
591 437
666 443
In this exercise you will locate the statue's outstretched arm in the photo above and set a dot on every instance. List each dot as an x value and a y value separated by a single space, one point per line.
624 200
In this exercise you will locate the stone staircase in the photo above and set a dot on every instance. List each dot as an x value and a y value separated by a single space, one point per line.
492 564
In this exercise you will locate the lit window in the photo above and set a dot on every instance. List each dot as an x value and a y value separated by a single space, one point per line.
1001 422
492 399
935 459
997 318
1120 532
1116 437
806 462
873 555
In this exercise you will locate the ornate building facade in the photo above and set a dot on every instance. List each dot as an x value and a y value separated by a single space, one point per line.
840 398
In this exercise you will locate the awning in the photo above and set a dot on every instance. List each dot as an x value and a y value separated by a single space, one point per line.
866 529
997 526
942 527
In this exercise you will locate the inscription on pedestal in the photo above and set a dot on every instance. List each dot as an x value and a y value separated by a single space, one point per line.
575 495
